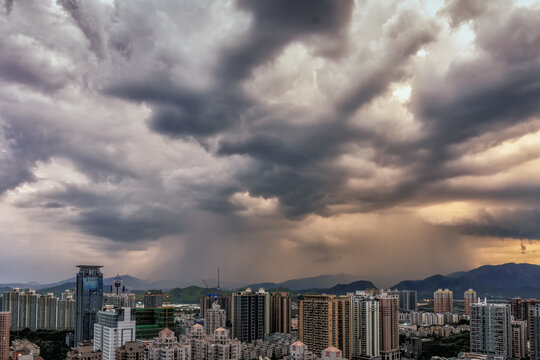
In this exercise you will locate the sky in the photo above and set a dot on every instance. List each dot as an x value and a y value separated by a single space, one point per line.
273 139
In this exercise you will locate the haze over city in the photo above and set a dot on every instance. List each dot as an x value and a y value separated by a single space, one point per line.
280 139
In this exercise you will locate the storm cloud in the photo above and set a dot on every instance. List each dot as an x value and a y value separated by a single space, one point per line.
208 132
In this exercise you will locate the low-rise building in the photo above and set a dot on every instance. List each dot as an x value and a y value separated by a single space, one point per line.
85 351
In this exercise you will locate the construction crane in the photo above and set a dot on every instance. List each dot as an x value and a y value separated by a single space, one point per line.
214 296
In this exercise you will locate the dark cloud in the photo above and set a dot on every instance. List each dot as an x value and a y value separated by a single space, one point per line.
9 6
185 129
274 25
144 224
88 17
517 224
277 23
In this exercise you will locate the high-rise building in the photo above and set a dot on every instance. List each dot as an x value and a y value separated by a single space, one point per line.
324 321
151 321
117 287
119 300
520 307
365 327
48 312
342 325
519 339
389 326
118 296
408 300
280 312
35 311
224 301
534 331
469 298
315 321
28 315
66 311
251 315
153 299
89 300
11 302
443 301
215 318
5 325
491 329
113 328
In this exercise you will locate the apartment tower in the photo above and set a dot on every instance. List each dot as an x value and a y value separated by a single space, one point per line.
443 301
365 327
5 326
215 318
389 326
316 321
408 300
250 315
491 329
280 313
469 298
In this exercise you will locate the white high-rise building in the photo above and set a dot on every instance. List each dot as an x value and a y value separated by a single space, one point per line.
113 328
491 329
214 318
365 326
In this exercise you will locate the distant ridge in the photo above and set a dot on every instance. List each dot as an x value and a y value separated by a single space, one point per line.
493 281
314 282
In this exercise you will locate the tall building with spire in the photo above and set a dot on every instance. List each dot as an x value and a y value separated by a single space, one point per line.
117 286
119 297
89 300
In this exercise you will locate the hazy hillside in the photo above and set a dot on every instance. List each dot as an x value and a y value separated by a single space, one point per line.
506 280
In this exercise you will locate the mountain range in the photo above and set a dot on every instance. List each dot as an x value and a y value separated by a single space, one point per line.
506 280
493 281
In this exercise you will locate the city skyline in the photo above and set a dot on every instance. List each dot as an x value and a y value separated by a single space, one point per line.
272 139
